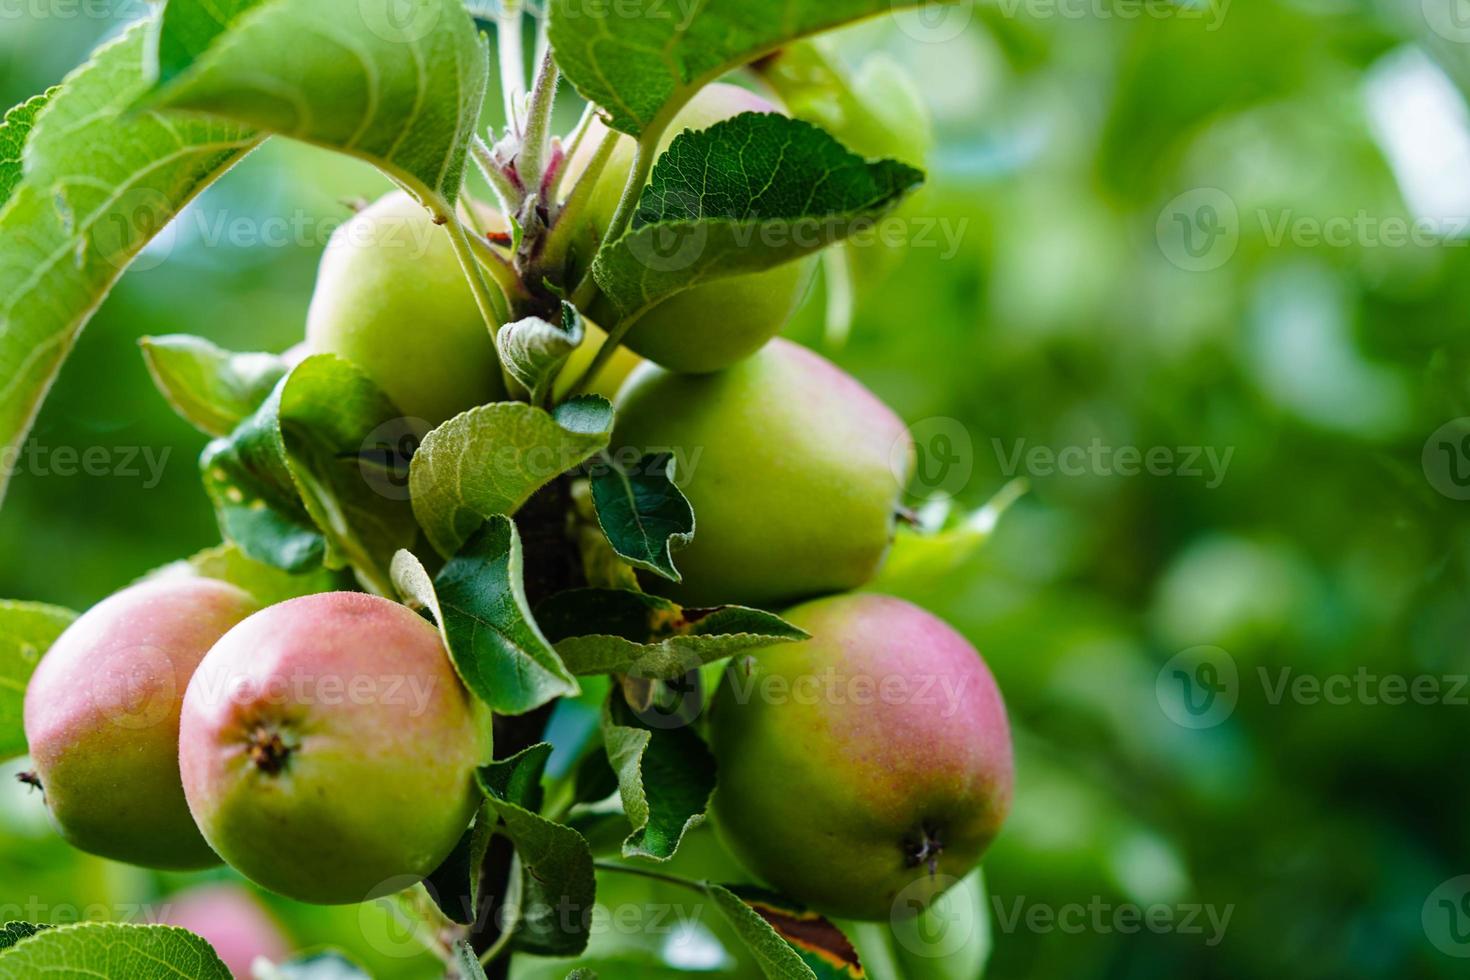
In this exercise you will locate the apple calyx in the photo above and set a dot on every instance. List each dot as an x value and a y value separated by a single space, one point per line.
268 750
925 850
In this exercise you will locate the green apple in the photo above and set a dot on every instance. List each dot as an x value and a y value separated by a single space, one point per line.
609 379
391 297
794 470
102 719
864 771
328 749
711 326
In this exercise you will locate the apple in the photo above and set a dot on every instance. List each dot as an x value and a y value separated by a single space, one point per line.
232 921
609 379
391 298
328 748
863 771
789 464
102 719
714 325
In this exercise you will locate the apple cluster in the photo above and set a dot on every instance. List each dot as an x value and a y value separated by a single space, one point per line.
325 746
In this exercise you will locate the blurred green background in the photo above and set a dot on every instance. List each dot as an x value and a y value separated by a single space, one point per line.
1233 232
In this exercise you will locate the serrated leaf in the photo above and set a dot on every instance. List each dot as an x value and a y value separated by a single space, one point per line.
644 515
665 778
479 601
641 60
398 83
491 459
455 885
559 885
27 630
534 350
13 932
212 389
787 941
14 131
99 183
468 963
603 631
329 965
290 485
113 950
745 195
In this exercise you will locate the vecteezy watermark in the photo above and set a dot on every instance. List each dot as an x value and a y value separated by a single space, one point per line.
833 687
1202 686
1200 230
1097 458
1097 916
1212 12
1450 19
1446 917
144 463
677 247
1446 459
33 909
940 454
1198 687
119 11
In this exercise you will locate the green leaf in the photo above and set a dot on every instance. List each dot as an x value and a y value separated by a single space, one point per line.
603 631
788 942
535 350
211 389
921 559
398 83
743 196
27 630
559 885
479 601
99 183
91 950
329 965
268 584
291 486
644 515
641 60
468 963
13 932
455 885
491 459
14 131
665 778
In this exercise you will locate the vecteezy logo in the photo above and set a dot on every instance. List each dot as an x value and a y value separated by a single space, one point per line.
1450 19
1199 230
935 21
387 453
1198 687
941 454
1446 459
400 21
1446 917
